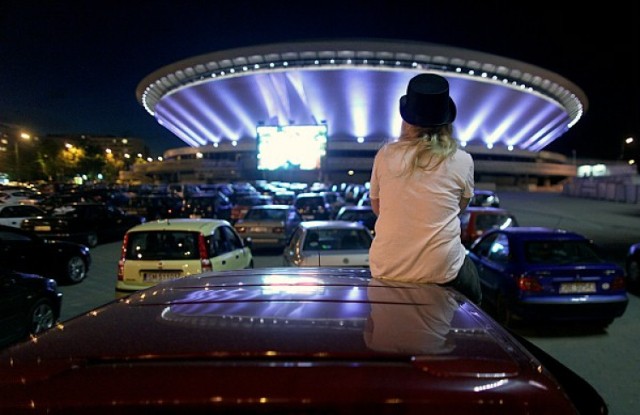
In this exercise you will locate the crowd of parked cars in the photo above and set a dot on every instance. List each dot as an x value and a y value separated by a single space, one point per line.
211 234
253 216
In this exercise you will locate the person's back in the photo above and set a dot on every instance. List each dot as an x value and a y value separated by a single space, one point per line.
418 187
418 219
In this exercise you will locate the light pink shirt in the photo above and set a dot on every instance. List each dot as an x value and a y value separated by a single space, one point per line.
418 229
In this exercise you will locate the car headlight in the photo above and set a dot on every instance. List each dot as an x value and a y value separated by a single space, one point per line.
52 284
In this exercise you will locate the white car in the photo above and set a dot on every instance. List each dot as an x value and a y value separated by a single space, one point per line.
329 243
12 214
24 196
175 248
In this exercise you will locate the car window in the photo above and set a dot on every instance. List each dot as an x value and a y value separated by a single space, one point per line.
354 240
482 248
309 202
67 211
166 245
348 215
560 252
499 251
95 213
224 240
8 212
312 240
26 210
295 237
331 197
355 216
233 242
266 214
250 201
294 216
218 244
336 239
484 222
13 236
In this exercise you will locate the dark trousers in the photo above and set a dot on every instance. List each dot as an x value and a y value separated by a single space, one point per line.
467 282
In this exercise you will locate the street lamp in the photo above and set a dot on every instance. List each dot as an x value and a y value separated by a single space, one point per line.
627 140
16 147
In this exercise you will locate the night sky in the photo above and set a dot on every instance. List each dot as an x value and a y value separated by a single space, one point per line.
69 67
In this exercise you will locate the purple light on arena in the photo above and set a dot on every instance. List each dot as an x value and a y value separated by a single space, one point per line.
354 88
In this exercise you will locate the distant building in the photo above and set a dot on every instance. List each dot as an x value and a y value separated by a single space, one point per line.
508 111
119 146
343 162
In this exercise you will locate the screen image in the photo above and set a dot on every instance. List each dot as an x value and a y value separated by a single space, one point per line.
291 147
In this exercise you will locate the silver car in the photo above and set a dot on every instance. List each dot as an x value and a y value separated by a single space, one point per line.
329 243
269 226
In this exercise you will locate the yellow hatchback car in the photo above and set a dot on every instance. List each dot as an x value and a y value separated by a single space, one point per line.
174 248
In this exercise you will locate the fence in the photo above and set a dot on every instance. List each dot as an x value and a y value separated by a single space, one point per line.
615 190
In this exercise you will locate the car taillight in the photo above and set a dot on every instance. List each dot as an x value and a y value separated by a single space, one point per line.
205 262
123 253
618 283
529 283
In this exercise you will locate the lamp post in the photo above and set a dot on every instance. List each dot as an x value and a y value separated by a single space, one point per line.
626 141
16 147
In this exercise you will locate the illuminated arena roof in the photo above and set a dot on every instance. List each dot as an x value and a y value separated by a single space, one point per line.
354 87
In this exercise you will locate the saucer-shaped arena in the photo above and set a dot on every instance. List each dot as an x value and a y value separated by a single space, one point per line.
353 88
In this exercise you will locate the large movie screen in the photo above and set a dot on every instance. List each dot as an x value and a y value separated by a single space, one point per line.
291 147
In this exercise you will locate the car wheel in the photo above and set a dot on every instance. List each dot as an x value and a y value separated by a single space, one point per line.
633 272
76 270
92 240
41 317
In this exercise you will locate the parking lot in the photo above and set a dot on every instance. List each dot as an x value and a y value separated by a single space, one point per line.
607 359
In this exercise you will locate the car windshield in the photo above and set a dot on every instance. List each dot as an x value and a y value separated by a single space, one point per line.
561 252
162 245
358 216
337 239
484 222
266 214
309 202
68 210
251 201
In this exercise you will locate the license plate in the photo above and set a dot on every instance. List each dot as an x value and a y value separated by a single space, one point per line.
578 287
42 228
307 217
260 229
160 276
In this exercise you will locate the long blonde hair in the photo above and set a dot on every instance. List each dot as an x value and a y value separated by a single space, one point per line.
432 146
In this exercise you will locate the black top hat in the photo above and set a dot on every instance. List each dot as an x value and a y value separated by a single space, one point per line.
427 103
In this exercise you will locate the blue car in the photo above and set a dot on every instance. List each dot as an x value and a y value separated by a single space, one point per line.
543 274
